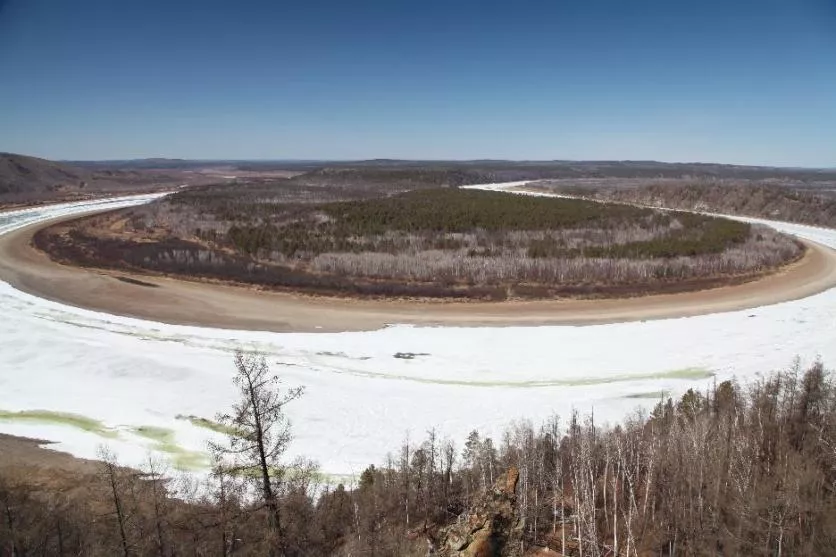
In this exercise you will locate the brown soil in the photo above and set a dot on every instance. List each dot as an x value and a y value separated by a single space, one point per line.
215 305
30 462
17 452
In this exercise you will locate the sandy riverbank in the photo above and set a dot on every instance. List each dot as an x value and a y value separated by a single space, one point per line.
213 305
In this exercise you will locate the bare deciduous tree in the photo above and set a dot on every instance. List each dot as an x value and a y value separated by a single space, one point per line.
259 433
115 484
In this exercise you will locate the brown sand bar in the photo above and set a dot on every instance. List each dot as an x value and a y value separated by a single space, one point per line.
235 307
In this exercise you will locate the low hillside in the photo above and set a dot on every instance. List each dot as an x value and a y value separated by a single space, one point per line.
792 201
432 243
453 173
466 171
29 180
19 174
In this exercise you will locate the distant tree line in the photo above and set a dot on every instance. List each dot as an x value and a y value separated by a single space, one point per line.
793 202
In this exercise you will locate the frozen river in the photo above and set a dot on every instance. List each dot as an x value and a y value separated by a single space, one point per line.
82 378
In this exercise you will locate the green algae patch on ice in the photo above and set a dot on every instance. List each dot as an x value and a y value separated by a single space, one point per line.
686 373
691 373
165 441
292 472
206 423
161 435
654 395
68 419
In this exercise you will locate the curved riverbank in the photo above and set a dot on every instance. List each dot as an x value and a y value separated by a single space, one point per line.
214 305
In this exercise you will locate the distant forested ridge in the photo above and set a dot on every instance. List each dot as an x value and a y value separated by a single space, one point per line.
25 179
791 201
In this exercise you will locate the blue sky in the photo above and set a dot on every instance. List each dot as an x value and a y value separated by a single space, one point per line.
736 81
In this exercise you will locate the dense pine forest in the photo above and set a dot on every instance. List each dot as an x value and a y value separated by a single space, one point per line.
734 470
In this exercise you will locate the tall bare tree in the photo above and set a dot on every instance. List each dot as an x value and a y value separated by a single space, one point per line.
259 434
112 474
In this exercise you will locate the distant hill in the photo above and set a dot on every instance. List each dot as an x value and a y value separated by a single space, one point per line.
26 180
21 175
456 173
487 169
29 180
502 169
138 164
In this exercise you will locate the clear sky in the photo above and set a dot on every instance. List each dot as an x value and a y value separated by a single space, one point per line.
735 81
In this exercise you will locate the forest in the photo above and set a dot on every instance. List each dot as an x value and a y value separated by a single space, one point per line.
791 201
736 469
378 240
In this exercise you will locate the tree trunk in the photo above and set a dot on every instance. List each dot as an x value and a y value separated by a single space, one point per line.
117 503
12 538
273 513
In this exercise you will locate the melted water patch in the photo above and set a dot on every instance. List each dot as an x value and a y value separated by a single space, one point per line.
68 419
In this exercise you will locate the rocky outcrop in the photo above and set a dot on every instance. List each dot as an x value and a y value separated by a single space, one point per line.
490 528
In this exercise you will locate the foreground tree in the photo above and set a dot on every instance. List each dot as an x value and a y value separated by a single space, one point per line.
115 482
259 434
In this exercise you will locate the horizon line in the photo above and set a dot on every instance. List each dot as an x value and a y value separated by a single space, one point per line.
435 160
